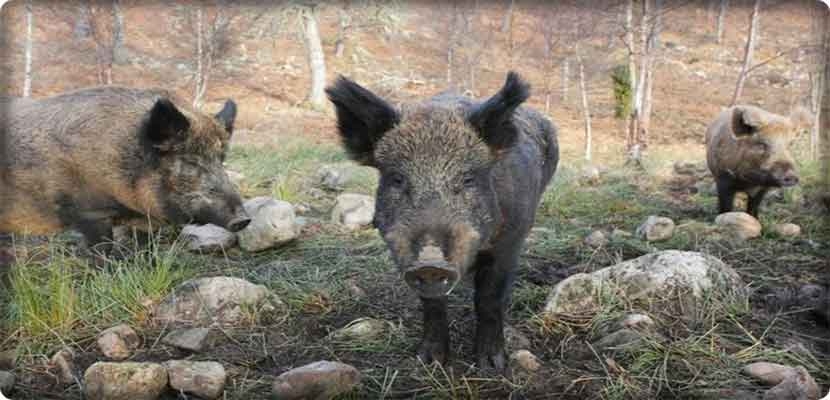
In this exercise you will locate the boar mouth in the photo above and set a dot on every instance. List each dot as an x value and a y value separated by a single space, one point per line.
432 275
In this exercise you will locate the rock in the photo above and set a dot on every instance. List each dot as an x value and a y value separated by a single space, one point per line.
203 379
301 208
741 224
125 381
798 385
695 169
815 297
637 321
660 273
706 187
787 230
333 177
621 339
515 339
193 339
207 238
218 299
272 224
361 329
770 374
119 342
355 290
656 229
620 234
353 210
321 380
64 362
596 239
7 380
527 360
590 175
236 177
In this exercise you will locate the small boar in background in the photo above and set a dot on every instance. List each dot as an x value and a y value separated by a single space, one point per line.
747 150
460 181
90 158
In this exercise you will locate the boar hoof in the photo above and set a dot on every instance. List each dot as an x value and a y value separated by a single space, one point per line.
495 360
431 351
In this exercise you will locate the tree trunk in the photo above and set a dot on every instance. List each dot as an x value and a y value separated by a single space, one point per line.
27 69
825 116
653 43
316 60
200 56
724 4
342 27
451 31
586 110
565 77
507 23
749 50
632 70
118 33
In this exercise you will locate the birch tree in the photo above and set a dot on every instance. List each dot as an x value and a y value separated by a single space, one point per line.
27 68
724 4
824 141
586 109
314 53
749 51
212 41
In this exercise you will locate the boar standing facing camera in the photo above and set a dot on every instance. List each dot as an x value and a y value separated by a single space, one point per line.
460 181
89 158
747 150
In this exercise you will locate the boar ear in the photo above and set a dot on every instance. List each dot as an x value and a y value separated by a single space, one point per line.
362 118
747 120
165 125
227 115
494 118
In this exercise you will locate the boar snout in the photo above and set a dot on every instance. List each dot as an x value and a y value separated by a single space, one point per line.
431 275
239 220
784 174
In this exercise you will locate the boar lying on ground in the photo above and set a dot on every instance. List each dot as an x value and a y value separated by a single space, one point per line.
747 151
87 159
460 181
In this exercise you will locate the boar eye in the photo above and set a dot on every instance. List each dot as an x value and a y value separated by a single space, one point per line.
469 181
397 180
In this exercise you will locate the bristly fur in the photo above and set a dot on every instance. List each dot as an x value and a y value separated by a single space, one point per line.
360 112
494 118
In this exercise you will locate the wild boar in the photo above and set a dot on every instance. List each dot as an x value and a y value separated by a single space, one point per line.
460 181
89 158
747 150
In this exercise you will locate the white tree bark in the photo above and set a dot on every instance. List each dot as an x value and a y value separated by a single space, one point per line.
629 122
507 23
316 58
586 109
824 141
118 32
566 74
724 4
200 56
342 27
27 69
749 50
653 43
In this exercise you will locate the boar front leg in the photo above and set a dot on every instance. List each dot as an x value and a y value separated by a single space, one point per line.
726 193
436 341
753 204
493 281
97 233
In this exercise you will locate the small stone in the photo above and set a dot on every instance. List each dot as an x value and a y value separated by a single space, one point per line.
787 230
321 380
596 239
273 223
590 175
743 225
797 385
361 329
527 360
193 339
301 208
333 177
236 177
125 381
770 374
209 300
119 342
656 229
355 290
7 380
620 234
354 211
515 339
621 339
64 362
637 321
207 238
203 379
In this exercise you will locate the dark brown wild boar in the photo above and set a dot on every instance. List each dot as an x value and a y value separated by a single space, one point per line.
747 150
460 181
89 158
